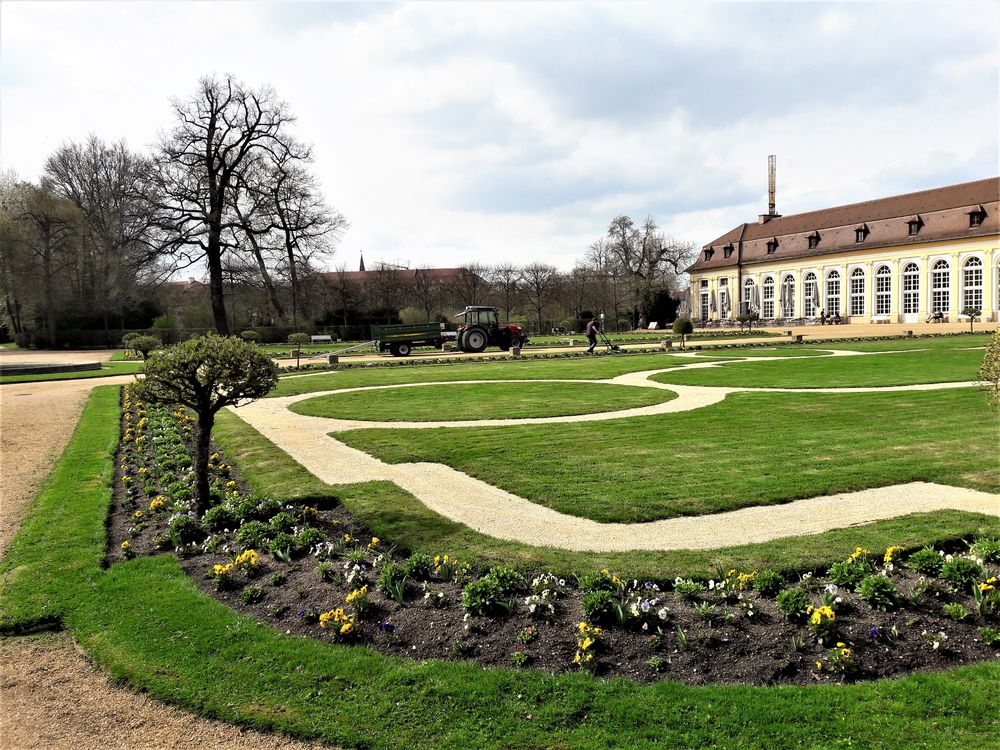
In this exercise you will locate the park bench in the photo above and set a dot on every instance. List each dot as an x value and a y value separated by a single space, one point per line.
322 339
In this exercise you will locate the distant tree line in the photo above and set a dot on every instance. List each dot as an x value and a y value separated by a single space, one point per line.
99 241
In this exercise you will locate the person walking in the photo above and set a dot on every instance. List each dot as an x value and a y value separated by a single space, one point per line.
592 328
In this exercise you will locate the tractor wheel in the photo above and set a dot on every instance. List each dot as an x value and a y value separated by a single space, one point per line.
515 342
475 340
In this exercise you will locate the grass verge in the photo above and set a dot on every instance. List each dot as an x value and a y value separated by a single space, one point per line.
107 370
149 626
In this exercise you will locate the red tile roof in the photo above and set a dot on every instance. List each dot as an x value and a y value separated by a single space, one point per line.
944 213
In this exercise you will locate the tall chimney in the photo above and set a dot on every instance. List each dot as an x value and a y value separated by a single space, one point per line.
764 218
770 184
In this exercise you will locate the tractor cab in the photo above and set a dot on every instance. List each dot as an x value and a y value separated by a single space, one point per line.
481 327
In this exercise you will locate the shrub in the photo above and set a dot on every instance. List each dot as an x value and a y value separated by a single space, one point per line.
879 592
278 579
253 535
250 335
219 518
955 611
961 572
509 580
793 603
419 566
847 574
486 597
768 582
688 589
145 344
308 538
185 530
602 606
597 582
987 549
990 636
251 594
283 543
283 521
392 582
989 373
683 327
926 561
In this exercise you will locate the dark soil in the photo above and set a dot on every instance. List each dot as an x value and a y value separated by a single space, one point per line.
731 648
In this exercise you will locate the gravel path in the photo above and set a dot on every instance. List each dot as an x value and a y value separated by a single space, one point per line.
50 695
503 515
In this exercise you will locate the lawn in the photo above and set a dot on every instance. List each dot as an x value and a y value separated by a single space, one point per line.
751 449
107 369
943 365
150 627
568 368
463 401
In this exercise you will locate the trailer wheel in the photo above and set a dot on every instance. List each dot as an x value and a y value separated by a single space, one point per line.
403 349
475 340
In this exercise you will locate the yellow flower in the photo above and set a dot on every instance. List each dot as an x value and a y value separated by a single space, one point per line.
845 653
125 545
137 514
840 644
348 539
222 570
248 558
346 628
158 503
586 643
819 665
985 586
373 543
890 554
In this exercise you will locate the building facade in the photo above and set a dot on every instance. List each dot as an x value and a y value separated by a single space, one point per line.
901 259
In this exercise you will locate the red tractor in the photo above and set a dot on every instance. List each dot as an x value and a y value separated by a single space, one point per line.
482 328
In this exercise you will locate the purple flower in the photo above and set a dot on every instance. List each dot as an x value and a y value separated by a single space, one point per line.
873 632
385 626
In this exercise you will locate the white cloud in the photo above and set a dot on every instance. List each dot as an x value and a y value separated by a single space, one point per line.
459 131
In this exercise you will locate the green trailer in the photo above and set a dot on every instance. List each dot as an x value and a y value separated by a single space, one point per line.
400 339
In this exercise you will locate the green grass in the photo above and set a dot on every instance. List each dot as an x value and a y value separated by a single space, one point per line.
396 516
107 369
579 368
461 401
906 368
149 626
751 449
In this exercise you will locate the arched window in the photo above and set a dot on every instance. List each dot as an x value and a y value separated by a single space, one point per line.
788 296
883 290
911 289
972 285
768 297
810 294
858 291
941 287
749 297
833 293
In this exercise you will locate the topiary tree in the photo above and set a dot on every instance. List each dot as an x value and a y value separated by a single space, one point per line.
298 339
145 344
973 313
205 375
250 335
127 340
683 327
747 319
989 373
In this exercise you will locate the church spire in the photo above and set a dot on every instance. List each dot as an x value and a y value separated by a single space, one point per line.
362 268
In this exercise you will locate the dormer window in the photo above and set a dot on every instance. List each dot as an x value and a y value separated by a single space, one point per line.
727 251
860 233
976 217
914 223
772 246
709 252
813 240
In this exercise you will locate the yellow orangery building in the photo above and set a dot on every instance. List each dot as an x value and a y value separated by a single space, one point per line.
902 259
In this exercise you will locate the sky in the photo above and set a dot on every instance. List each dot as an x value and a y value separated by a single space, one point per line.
450 133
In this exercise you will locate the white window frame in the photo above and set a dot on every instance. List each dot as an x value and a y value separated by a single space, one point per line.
788 284
767 298
911 289
857 302
833 288
809 309
883 291
940 286
972 283
746 295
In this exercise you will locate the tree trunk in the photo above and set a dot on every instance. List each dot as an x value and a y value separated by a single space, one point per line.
214 254
203 495
50 305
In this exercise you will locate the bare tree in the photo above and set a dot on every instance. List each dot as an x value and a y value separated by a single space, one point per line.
109 185
470 286
540 282
649 260
344 292
607 278
426 290
222 136
384 288
506 282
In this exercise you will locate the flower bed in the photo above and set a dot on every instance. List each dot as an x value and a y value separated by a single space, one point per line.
307 567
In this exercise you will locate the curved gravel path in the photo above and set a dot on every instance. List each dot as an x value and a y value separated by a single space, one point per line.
504 515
